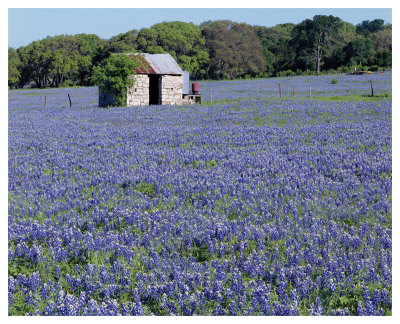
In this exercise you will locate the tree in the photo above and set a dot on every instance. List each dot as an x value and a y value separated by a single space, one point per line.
358 51
14 64
366 27
124 43
184 41
334 55
274 41
114 76
234 49
382 40
91 49
73 57
383 58
35 63
61 64
51 61
346 33
311 38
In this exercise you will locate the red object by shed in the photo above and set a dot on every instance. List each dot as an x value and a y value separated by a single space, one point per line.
195 87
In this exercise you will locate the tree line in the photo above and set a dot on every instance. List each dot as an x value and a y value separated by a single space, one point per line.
217 50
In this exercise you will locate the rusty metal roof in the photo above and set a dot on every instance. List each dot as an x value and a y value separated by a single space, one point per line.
157 64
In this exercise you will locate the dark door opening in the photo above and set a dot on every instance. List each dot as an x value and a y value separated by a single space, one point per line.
154 90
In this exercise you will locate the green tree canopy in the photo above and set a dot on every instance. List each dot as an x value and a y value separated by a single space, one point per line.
234 49
114 76
50 61
383 58
14 63
35 61
184 41
124 43
382 40
215 49
274 42
366 27
311 38
358 51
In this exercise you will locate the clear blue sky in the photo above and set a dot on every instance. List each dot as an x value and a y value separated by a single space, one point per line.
28 25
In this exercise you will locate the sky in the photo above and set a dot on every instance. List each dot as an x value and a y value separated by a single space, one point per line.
26 25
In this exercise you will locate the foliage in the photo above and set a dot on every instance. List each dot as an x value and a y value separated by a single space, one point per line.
276 52
382 40
311 38
383 58
358 51
14 64
114 76
123 43
212 50
366 27
52 60
184 41
234 49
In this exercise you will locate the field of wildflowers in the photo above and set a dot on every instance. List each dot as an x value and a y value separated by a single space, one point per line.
254 207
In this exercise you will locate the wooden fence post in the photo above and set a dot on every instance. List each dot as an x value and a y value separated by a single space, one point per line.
309 91
45 101
70 103
280 91
210 94
294 91
372 88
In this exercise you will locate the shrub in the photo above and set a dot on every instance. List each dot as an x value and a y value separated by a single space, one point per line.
66 84
113 77
343 69
334 81
286 73
374 68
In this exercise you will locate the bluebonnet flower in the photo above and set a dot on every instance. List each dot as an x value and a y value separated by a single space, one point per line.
164 301
57 272
30 300
92 308
34 282
371 309
360 309
265 305
71 307
12 283
35 253
376 299
232 310
22 281
171 307
316 309
50 309
218 311
125 309
332 285
104 311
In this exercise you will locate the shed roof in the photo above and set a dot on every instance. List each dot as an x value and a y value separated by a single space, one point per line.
158 64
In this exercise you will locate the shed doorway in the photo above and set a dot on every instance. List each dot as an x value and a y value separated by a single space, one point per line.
154 89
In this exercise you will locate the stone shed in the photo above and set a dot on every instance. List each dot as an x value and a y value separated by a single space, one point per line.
159 80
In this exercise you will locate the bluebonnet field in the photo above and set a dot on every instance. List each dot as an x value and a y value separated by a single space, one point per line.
320 86
253 207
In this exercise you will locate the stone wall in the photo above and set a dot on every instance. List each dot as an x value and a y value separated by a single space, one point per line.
138 95
171 89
